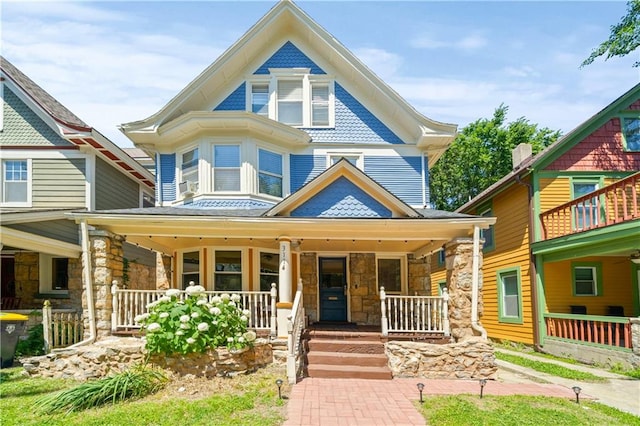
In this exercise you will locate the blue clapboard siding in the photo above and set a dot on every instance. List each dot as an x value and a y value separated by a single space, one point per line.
304 168
168 176
289 56
236 101
402 176
353 123
342 198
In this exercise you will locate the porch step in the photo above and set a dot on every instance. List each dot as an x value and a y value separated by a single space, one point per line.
347 353
344 358
348 372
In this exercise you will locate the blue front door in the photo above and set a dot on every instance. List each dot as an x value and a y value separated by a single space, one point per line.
333 288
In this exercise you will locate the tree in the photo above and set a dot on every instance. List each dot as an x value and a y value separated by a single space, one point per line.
624 37
481 155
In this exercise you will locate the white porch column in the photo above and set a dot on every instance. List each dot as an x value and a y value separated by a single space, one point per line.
284 288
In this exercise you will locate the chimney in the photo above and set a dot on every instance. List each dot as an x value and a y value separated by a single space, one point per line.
520 153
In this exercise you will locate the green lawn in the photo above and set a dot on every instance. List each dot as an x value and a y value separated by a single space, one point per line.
242 400
518 410
549 368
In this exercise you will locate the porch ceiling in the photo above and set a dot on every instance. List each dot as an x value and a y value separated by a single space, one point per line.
170 233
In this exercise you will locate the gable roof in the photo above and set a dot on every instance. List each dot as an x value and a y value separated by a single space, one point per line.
557 148
286 22
72 128
343 169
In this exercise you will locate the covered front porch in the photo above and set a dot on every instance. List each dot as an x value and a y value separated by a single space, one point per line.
588 275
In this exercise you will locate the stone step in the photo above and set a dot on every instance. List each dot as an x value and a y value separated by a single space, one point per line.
343 335
342 358
348 346
348 372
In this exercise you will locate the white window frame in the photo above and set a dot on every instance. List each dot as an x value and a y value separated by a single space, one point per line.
29 183
334 157
403 272
244 265
241 177
181 174
594 281
180 266
259 171
308 80
45 269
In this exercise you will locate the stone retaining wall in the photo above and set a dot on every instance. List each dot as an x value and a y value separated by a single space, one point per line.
117 354
471 359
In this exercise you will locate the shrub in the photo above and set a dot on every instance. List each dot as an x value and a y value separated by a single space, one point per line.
196 323
134 383
33 344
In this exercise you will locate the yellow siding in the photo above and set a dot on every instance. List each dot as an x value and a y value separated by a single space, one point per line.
511 234
616 286
438 273
554 192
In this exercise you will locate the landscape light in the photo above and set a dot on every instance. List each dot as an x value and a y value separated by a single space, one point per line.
483 382
279 384
577 390
420 389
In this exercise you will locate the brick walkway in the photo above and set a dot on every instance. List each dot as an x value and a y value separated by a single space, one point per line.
330 402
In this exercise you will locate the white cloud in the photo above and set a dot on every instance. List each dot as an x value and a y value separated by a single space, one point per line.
468 42
384 64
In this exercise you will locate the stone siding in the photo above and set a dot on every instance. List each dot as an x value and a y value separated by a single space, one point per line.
117 354
471 359
309 276
419 276
365 301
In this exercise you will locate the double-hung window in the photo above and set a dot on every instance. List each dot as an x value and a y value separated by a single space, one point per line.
487 234
226 167
585 213
189 166
260 99
587 279
269 173
15 182
54 274
293 96
509 296
190 268
631 130
228 272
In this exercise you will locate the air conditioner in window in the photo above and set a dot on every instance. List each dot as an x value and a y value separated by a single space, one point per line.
188 188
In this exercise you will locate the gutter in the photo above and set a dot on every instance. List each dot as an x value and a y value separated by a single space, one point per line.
86 275
533 275
475 282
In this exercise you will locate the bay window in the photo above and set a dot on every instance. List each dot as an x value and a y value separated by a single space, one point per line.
269 173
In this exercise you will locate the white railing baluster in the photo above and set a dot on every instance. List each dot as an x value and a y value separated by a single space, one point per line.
418 314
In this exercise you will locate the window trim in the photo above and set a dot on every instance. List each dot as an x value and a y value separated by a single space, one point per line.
241 178
45 272
597 266
500 291
180 174
257 273
487 210
440 284
259 172
244 266
180 266
29 201
599 183
290 74
336 154
403 272
630 115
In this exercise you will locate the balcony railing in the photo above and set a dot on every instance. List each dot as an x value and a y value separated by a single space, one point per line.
591 329
127 304
615 203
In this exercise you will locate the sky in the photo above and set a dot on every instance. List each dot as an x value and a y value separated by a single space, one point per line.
115 62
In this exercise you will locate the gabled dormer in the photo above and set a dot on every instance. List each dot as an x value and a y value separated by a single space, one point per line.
278 108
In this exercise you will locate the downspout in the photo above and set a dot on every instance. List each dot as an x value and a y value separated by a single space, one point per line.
475 283
533 274
86 275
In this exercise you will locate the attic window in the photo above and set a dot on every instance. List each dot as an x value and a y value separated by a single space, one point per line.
631 129
294 97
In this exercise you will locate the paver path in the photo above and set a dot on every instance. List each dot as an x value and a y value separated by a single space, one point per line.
330 402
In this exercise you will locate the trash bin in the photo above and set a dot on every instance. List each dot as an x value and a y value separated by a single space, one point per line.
12 326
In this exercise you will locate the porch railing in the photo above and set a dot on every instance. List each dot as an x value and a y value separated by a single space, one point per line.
600 330
295 327
414 314
60 329
615 203
127 304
